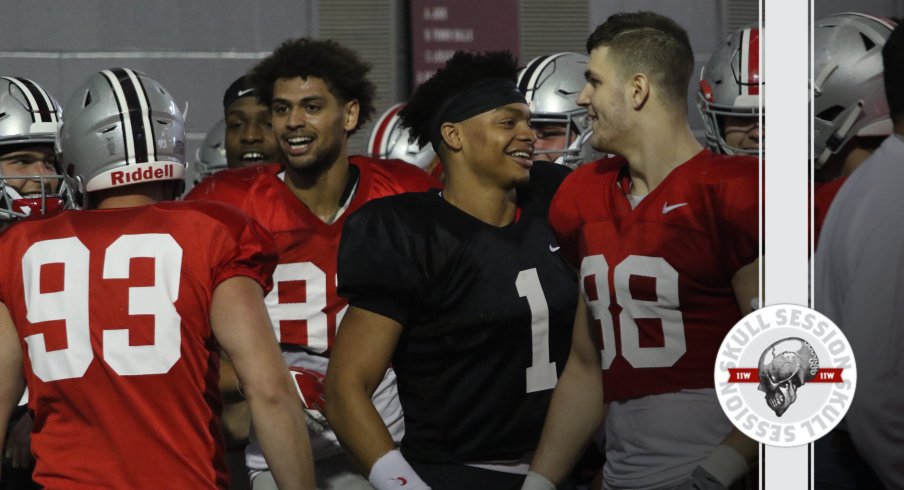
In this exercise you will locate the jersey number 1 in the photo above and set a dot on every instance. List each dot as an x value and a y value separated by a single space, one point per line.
541 375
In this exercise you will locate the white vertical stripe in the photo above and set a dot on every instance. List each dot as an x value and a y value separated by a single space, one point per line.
48 101
787 205
146 114
32 102
744 61
126 118
535 76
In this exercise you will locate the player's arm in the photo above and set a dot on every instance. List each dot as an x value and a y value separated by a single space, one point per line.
242 327
746 286
235 419
576 410
361 354
12 381
731 460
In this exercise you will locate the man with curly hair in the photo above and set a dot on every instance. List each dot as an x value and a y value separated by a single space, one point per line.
463 290
318 94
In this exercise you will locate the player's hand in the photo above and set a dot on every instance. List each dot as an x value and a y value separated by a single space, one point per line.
311 390
18 444
701 479
316 420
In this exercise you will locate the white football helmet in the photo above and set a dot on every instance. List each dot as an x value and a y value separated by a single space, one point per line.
122 128
29 116
211 156
848 88
731 84
389 140
551 85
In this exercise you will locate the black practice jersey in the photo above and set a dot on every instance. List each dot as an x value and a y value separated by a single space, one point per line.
487 314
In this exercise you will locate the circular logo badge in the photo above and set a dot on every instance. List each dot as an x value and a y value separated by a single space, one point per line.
785 375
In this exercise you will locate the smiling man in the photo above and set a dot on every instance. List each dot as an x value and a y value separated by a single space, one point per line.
249 133
463 290
30 179
318 94
666 239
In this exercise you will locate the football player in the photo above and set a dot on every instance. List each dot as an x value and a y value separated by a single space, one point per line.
389 140
859 287
665 236
210 157
30 183
551 84
850 111
117 311
463 290
851 115
728 97
249 133
318 94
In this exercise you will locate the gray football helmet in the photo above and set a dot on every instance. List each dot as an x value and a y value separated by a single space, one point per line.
122 128
848 88
29 116
211 156
731 84
551 85
389 140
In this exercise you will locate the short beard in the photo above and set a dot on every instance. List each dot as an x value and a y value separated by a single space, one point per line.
322 163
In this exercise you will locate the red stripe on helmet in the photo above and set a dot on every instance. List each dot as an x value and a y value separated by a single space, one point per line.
753 62
378 141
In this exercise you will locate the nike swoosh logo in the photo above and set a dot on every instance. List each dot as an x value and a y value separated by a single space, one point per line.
668 209
554 249
242 93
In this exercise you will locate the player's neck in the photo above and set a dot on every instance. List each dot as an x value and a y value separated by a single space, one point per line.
654 157
321 191
491 204
130 196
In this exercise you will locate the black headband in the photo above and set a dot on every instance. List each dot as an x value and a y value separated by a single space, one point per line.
236 91
486 95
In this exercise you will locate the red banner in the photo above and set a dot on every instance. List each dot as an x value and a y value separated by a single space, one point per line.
752 375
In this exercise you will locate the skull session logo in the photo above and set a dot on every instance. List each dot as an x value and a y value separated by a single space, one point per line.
785 375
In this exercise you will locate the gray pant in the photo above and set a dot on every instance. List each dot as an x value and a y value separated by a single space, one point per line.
332 473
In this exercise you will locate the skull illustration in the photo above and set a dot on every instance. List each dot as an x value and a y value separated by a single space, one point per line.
784 367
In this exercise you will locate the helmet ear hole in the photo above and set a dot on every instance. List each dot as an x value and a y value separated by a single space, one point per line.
830 113
868 43
87 99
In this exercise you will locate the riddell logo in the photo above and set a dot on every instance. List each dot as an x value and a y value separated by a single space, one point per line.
785 375
124 177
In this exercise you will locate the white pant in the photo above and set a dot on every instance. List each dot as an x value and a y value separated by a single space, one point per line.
656 441
332 473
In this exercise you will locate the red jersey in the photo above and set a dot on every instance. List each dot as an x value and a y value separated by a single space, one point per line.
822 199
657 278
112 308
304 306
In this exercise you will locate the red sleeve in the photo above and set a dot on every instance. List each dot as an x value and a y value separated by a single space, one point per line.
565 218
244 248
